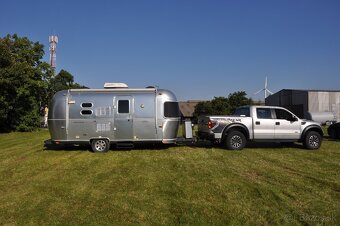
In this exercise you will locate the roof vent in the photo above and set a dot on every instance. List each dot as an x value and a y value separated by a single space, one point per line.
109 85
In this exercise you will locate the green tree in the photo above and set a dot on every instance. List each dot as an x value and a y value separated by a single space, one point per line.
26 83
222 105
23 79
203 108
64 80
238 99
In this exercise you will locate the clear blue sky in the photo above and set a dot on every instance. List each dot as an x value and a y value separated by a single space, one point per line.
198 49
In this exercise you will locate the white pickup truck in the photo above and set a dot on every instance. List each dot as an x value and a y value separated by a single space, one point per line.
259 123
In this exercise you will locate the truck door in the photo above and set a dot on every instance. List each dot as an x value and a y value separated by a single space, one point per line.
287 126
264 125
123 121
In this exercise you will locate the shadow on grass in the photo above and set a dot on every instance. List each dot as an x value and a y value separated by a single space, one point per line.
250 145
271 145
328 138
187 143
61 147
48 146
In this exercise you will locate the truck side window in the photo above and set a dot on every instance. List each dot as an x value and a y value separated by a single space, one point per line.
282 114
242 111
264 113
171 109
123 106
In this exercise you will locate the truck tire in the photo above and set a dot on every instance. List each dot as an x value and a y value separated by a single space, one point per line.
312 140
235 140
100 145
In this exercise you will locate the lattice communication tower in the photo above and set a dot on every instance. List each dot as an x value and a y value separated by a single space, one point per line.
53 39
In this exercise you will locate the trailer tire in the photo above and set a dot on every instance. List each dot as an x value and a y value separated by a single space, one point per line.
312 140
235 140
100 145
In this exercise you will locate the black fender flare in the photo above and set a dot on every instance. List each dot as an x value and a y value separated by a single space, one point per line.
236 126
311 128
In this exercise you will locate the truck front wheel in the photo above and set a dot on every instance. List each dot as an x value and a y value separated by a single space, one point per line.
235 140
100 145
312 140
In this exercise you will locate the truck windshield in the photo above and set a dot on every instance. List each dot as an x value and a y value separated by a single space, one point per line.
171 110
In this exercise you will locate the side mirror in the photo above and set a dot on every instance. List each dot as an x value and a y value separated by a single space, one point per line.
293 118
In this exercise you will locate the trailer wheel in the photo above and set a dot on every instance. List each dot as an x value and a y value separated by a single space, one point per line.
312 140
235 140
100 145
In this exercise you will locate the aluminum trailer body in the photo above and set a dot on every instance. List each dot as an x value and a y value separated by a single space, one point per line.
102 117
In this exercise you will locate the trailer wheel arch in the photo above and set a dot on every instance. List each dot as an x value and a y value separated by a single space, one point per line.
100 145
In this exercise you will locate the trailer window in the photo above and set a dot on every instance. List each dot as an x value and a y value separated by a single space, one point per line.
86 112
87 105
123 106
171 109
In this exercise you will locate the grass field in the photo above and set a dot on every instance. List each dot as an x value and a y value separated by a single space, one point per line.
188 185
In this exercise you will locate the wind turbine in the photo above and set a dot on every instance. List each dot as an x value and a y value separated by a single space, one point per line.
266 91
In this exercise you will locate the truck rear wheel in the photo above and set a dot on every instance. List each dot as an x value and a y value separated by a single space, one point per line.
235 140
100 145
312 140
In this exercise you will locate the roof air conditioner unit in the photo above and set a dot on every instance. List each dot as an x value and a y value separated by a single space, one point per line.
110 85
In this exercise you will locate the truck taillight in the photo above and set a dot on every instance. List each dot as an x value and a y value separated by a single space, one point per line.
211 124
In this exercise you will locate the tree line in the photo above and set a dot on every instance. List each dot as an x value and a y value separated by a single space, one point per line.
223 105
26 83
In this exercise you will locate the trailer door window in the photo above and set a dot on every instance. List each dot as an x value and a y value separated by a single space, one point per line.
171 110
123 106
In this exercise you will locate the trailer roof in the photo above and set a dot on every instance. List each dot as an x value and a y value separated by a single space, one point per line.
116 90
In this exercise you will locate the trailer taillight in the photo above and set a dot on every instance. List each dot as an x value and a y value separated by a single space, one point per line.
211 124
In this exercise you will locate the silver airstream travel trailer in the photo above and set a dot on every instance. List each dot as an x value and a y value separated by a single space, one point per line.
113 115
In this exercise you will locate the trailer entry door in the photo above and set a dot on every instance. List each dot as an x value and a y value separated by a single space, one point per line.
123 118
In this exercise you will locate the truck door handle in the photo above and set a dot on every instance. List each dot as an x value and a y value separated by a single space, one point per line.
277 123
257 123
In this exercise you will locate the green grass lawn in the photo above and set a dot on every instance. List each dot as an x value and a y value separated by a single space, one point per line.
188 185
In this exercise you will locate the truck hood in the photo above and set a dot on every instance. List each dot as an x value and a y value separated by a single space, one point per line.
310 121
